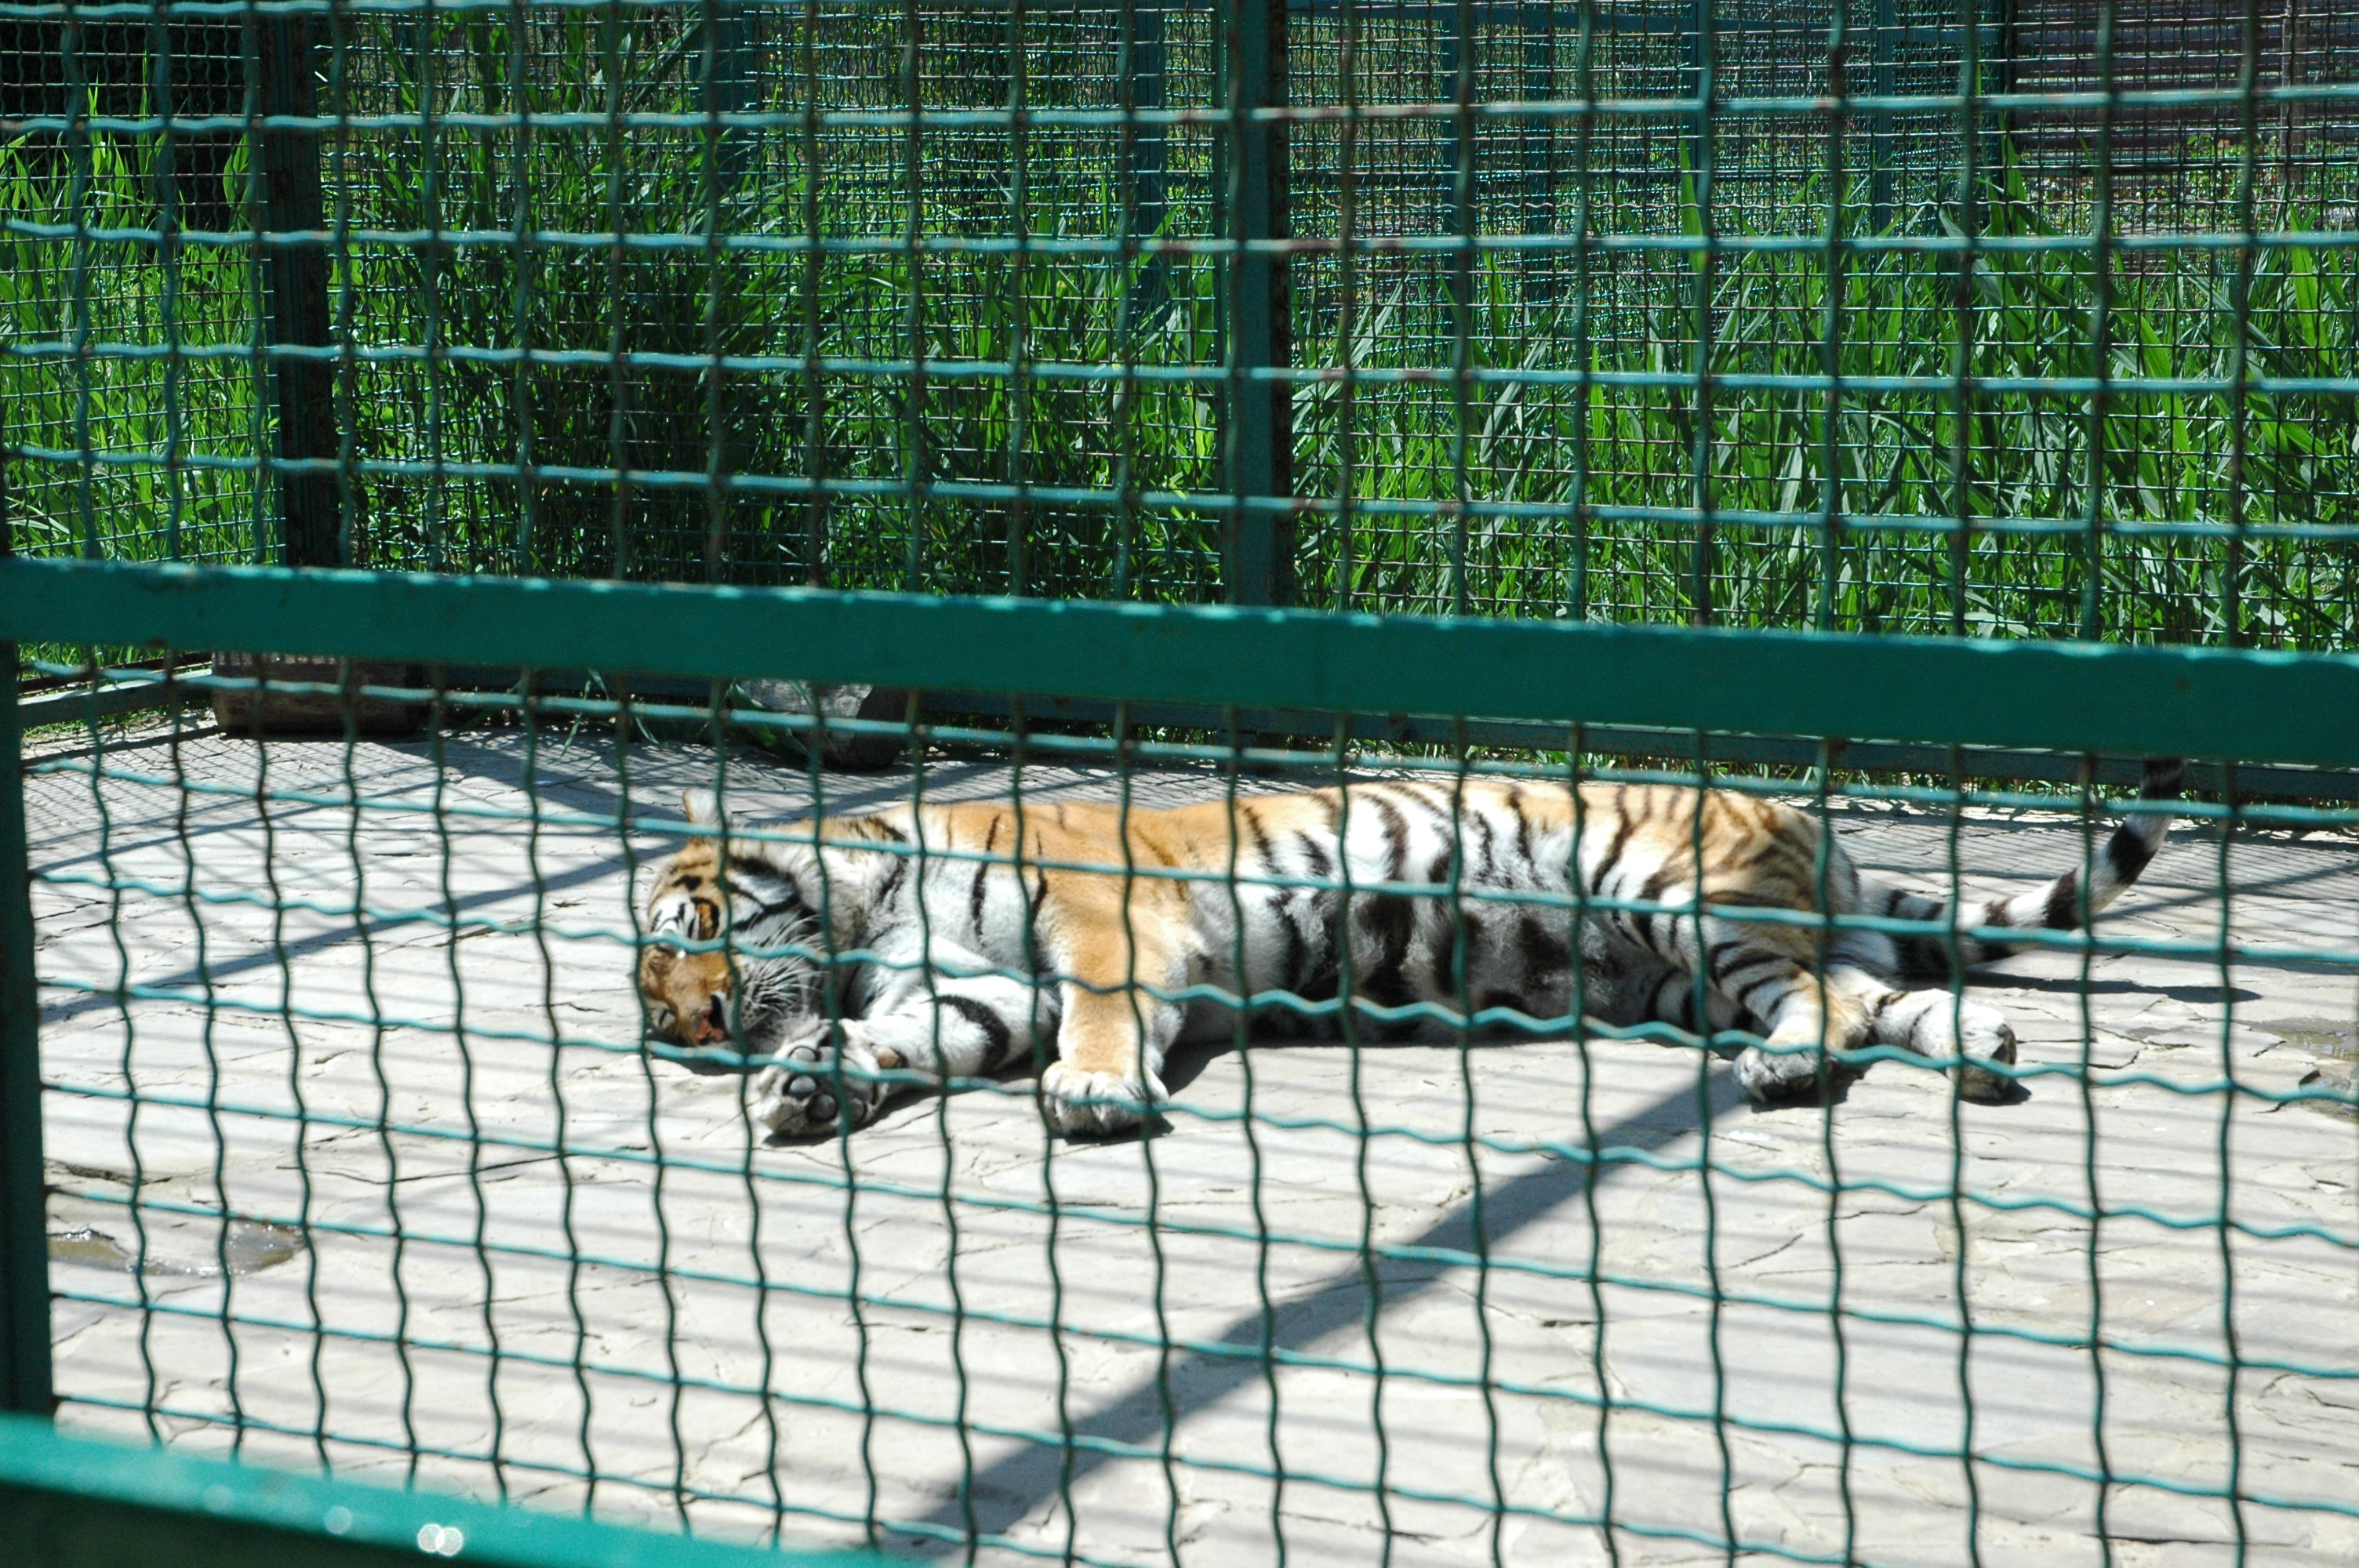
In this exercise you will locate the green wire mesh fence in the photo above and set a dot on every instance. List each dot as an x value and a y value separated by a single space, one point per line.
1871 314
390 1127
401 1106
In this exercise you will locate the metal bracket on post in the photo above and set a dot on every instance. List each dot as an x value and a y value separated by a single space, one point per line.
1258 433
25 1380
309 507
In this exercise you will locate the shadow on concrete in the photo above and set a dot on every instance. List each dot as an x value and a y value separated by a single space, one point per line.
999 1495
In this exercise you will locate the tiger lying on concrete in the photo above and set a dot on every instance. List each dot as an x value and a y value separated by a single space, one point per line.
937 992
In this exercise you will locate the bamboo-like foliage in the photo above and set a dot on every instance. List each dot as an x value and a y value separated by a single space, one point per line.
612 348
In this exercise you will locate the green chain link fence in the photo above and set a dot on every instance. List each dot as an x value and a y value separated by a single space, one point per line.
358 1155
358 1152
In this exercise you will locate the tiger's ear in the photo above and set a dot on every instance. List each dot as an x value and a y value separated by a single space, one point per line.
701 807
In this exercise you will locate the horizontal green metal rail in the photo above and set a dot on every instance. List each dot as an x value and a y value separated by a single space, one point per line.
2201 702
68 1502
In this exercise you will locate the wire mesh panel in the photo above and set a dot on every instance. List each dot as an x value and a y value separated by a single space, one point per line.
130 325
1354 1141
1880 316
618 293
2170 153
1555 187
706 302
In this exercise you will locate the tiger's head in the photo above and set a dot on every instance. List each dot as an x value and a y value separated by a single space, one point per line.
721 918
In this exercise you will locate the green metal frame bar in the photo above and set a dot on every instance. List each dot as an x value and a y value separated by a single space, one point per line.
1682 747
2070 697
74 703
68 1502
25 1380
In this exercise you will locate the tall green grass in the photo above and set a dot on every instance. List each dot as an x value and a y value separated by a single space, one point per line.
2147 513
134 351
2034 512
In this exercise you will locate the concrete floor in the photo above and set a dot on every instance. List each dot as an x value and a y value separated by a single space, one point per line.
541 1261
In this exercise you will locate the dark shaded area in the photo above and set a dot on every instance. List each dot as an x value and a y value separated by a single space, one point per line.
58 1531
176 70
2163 45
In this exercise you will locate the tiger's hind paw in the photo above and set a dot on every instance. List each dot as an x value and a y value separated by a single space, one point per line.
1985 1037
1083 1104
802 1094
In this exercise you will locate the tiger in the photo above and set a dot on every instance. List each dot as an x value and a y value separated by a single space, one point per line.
924 943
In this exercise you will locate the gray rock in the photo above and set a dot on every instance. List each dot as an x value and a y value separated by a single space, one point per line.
861 750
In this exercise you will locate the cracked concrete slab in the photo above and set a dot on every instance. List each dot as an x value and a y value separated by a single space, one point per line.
409 1197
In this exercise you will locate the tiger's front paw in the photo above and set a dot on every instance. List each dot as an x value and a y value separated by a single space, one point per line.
1080 1103
804 1093
1777 1074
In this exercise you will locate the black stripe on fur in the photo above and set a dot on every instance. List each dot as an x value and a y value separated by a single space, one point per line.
994 1027
2128 852
2063 911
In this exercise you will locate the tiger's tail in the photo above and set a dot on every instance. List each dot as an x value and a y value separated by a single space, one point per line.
2059 905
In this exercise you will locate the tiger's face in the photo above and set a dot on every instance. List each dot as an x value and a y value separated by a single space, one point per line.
698 995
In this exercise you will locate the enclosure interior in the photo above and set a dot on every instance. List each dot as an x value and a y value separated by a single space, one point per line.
361 1152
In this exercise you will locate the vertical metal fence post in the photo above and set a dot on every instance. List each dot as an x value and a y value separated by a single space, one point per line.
733 88
1257 438
740 43
1694 51
1453 45
25 1383
2291 58
1149 92
1993 44
1885 81
1702 44
310 509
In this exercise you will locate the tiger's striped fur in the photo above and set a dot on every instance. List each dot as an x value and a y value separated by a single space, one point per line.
951 923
